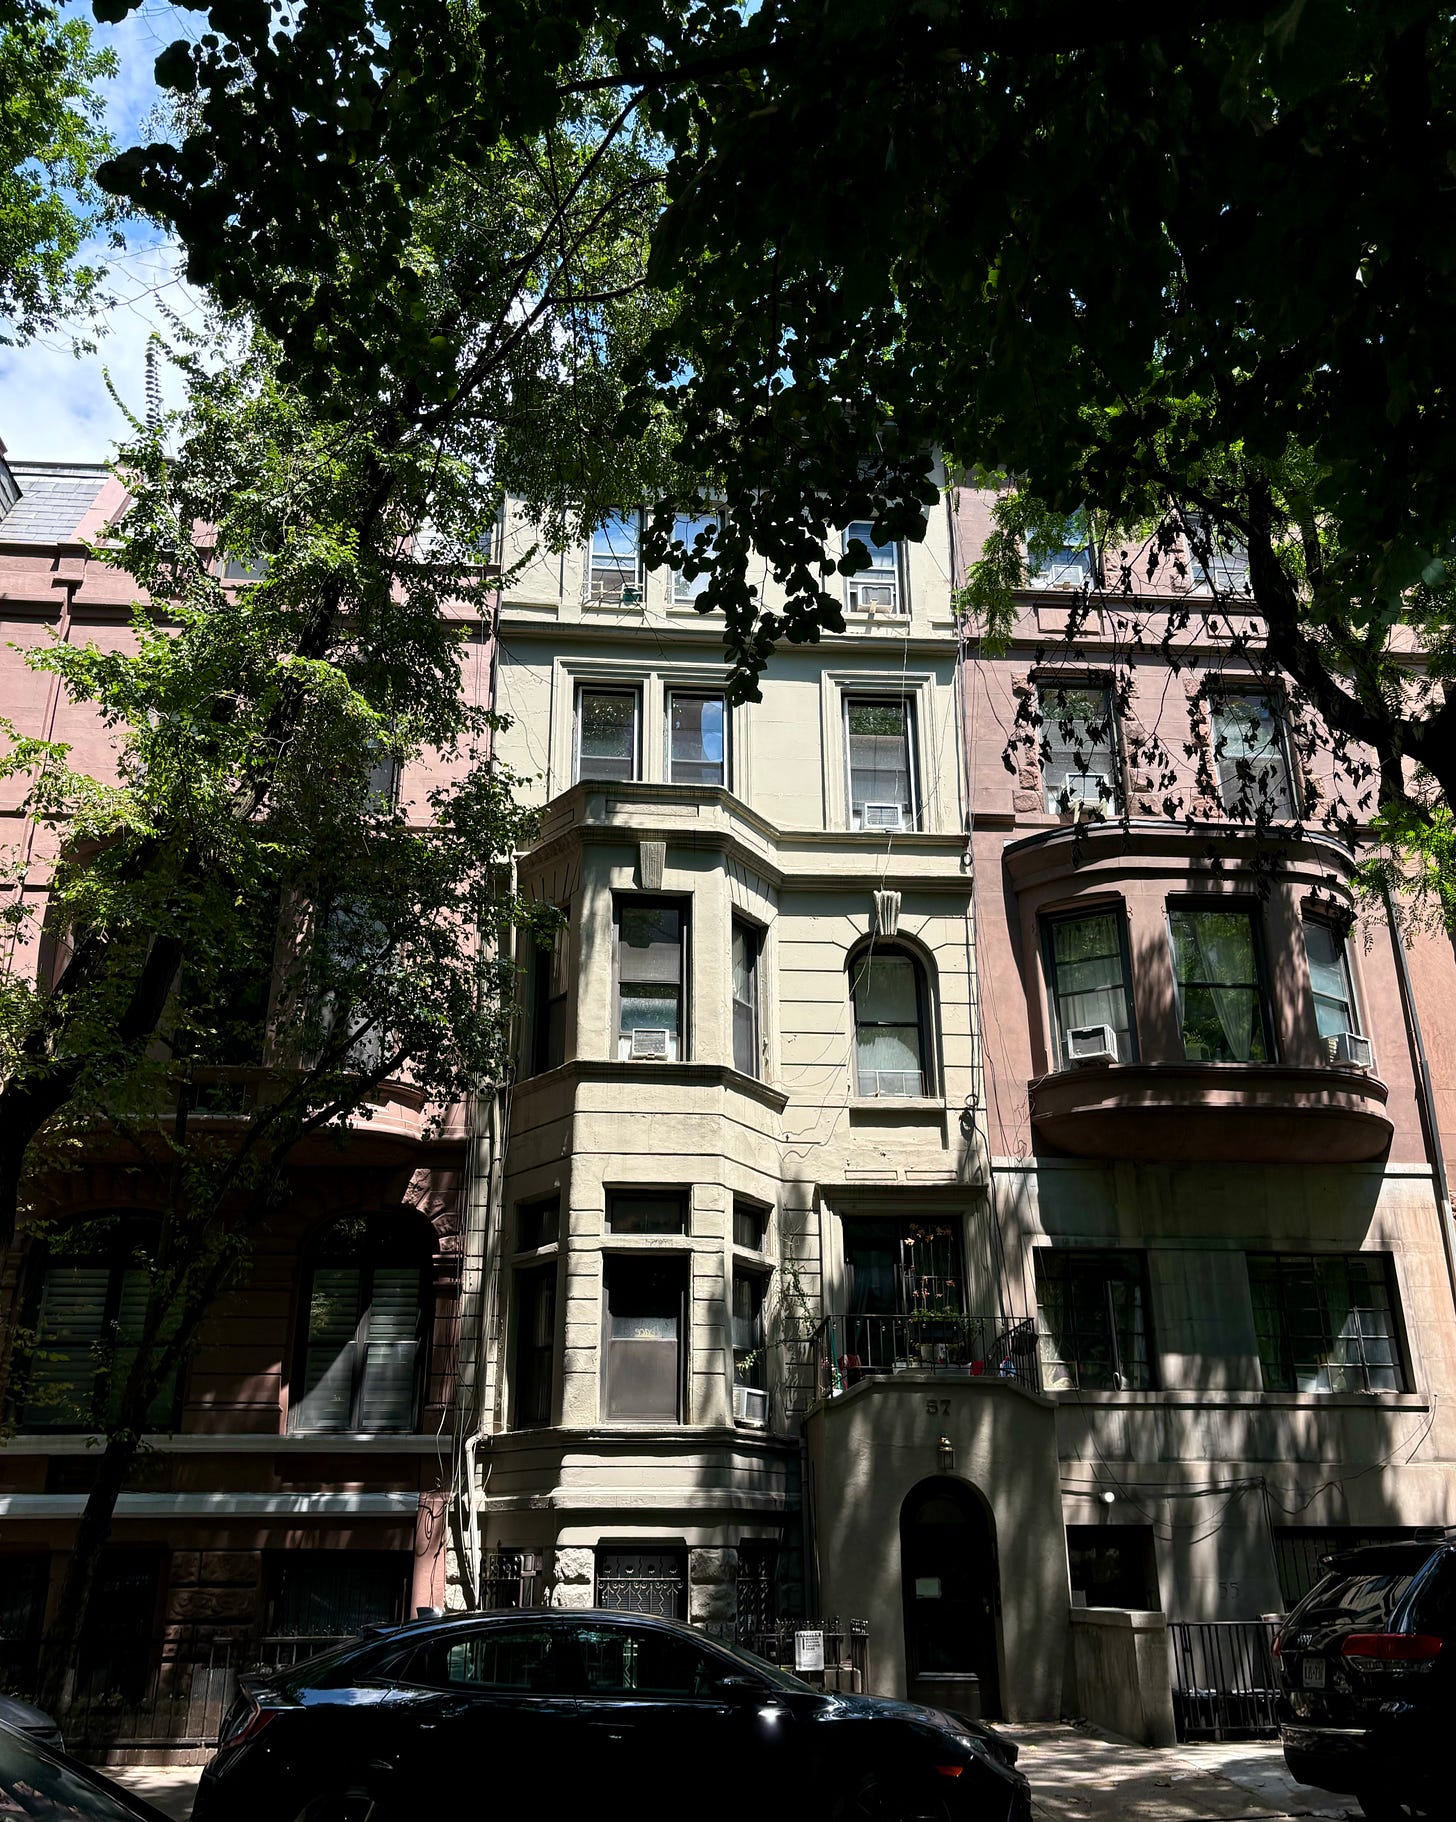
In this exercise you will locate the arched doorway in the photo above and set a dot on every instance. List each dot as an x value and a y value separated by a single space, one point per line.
952 1595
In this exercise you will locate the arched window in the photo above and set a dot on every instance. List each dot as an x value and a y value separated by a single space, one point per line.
892 1055
87 1305
364 1326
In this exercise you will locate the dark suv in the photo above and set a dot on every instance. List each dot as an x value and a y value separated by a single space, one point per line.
566 1714
1367 1671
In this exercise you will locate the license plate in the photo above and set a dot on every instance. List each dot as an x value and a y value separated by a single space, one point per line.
1314 1673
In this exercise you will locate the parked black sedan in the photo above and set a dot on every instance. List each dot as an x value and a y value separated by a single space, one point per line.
586 1714
1367 1668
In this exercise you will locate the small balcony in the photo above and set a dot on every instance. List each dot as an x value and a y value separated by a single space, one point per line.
1180 1112
849 1349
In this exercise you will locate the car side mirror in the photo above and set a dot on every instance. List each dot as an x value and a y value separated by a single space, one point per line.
740 1688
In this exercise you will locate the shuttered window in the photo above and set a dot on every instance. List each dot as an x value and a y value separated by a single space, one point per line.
88 1322
362 1349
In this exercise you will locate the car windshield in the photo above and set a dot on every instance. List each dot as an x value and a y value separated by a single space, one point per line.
750 1660
36 1785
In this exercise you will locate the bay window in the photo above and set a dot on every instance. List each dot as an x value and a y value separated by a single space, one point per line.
642 1356
1087 965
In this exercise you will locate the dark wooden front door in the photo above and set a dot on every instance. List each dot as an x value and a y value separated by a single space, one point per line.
948 1562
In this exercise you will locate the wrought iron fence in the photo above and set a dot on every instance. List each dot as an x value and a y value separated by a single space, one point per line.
1225 1685
849 1348
846 1649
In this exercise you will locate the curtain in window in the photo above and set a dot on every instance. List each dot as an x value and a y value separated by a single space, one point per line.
1218 984
745 999
888 1058
1090 985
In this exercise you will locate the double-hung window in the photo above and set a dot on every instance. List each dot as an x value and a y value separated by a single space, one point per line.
697 738
1223 1008
608 738
644 1320
616 560
1329 979
878 589
1078 744
1087 963
1217 562
535 1343
1062 559
1249 750
879 740
697 535
747 944
548 1000
1326 1322
749 1364
1091 1320
651 944
891 1026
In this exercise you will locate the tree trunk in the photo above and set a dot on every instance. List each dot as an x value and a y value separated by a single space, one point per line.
63 1641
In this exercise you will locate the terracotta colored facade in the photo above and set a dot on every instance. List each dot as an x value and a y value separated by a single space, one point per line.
241 1521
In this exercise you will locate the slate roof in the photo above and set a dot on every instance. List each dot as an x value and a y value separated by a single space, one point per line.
54 498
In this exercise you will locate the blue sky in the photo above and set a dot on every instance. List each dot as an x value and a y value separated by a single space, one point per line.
54 406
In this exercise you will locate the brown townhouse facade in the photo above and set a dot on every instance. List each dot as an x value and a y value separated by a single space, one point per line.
956 1196
295 1482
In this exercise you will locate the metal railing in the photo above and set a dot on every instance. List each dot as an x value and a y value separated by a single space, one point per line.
850 1348
1225 1684
846 1649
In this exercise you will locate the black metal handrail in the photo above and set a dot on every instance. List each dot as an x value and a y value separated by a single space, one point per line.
1225 1684
853 1347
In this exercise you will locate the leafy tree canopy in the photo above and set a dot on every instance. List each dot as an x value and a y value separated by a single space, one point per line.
1162 261
51 141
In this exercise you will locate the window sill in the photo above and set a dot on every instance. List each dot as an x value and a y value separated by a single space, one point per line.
894 1104
1195 1400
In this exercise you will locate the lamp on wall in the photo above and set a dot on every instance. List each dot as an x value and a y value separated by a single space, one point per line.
945 1454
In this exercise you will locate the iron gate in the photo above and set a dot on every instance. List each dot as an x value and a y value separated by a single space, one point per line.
1225 1685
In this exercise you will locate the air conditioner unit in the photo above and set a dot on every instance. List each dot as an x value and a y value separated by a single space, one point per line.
881 816
1091 1044
1350 1051
874 597
649 1041
750 1406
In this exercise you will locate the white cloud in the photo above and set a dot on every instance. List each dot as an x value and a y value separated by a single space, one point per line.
54 406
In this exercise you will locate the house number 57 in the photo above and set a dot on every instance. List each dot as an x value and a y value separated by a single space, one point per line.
937 1407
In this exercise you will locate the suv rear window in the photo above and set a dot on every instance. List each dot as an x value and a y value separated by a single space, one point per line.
1363 1590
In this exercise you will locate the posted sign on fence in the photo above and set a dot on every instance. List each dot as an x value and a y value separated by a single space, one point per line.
808 1651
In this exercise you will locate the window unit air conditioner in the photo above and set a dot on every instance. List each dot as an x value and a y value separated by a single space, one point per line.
874 597
881 816
750 1406
1091 1044
649 1041
1348 1050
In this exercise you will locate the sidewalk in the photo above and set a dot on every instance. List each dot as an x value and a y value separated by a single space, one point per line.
169 1788
1078 1776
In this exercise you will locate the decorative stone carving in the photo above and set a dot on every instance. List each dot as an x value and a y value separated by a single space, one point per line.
651 859
887 912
